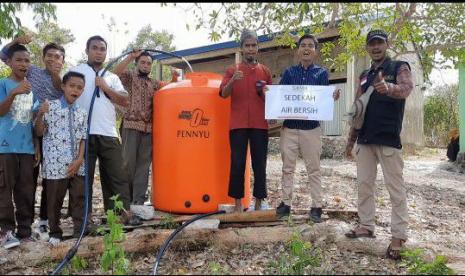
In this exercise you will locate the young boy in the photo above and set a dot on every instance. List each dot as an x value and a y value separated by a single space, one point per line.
16 150
63 124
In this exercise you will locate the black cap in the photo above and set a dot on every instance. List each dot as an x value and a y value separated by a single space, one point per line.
377 34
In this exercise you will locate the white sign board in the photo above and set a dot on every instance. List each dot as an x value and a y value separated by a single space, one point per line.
303 102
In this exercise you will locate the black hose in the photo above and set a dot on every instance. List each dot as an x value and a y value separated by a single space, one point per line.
72 251
179 229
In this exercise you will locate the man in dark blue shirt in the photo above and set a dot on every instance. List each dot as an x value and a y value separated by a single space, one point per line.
303 135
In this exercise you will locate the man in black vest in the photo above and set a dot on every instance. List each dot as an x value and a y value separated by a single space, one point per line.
378 141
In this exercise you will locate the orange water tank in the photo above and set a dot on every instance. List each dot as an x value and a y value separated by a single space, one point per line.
191 153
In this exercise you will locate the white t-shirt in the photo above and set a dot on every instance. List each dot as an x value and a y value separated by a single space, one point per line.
103 120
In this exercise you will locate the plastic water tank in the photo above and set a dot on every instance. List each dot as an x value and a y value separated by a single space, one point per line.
191 153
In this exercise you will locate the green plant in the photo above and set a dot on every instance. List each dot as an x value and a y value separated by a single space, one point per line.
290 221
216 269
4 71
415 263
78 264
299 257
113 258
441 115
167 222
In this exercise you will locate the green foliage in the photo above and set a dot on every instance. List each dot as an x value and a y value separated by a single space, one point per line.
441 114
216 269
5 71
299 258
47 31
78 264
435 30
113 258
416 265
147 38
10 24
167 222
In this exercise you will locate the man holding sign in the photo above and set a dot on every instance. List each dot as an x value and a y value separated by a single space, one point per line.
244 82
303 135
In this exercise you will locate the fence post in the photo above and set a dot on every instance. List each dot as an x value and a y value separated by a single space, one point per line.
462 106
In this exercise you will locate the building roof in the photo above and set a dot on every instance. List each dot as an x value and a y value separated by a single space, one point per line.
209 48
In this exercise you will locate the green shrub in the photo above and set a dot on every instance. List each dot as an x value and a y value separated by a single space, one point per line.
440 115
416 265
113 258
299 257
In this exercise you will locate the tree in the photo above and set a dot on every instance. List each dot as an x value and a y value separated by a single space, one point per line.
4 71
441 114
147 38
436 30
10 24
115 32
47 32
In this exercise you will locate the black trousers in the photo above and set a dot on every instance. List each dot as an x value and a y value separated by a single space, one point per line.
238 140
113 175
16 186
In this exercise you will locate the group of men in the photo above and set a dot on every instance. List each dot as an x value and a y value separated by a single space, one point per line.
38 103
124 168
378 140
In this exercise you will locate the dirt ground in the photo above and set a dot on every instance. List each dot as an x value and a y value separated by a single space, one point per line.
436 201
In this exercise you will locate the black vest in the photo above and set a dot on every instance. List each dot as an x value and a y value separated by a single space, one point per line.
384 115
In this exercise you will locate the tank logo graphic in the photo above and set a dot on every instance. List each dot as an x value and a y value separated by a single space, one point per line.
195 117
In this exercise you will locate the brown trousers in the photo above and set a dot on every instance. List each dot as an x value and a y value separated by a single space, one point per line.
308 142
43 194
368 157
16 183
56 191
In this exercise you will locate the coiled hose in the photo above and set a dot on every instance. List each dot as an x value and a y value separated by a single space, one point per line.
72 251
171 237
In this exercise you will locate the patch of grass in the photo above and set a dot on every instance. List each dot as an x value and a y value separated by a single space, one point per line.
299 257
167 222
416 265
216 269
78 264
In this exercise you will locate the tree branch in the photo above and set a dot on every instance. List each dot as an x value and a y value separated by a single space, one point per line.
436 47
264 12
334 15
403 17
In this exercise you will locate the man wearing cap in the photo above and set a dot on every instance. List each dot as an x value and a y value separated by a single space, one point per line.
244 83
378 141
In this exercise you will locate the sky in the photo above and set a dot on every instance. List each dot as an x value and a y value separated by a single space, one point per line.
85 20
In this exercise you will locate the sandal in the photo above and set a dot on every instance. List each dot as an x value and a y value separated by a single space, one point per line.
357 233
393 251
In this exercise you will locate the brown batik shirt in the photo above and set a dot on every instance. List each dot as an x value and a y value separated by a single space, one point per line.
138 115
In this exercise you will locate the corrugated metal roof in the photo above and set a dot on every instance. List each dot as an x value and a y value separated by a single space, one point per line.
209 48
